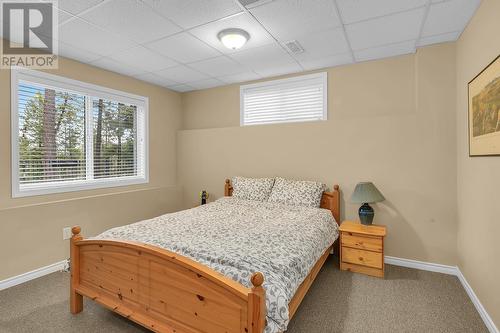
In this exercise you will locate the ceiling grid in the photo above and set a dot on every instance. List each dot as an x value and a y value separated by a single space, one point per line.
174 43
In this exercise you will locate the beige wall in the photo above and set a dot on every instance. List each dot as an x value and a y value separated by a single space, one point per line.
390 121
478 177
31 228
399 122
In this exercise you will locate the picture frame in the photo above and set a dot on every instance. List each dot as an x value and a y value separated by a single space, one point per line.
484 111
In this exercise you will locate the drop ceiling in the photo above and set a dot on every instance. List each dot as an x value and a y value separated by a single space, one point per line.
173 43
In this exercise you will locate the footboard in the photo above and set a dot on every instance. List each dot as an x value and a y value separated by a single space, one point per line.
161 290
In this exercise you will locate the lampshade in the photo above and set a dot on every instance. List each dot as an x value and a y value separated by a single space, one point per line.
366 192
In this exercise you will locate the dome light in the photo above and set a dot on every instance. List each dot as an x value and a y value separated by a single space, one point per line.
233 38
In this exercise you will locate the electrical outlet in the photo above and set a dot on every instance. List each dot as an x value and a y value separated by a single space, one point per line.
67 233
67 266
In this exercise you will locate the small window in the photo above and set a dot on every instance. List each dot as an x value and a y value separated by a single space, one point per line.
298 99
69 135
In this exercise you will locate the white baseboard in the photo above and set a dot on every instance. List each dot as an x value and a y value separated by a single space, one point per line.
425 266
451 270
479 307
15 280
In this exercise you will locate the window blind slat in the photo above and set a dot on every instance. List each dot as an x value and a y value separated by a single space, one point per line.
284 106
318 110
289 100
284 91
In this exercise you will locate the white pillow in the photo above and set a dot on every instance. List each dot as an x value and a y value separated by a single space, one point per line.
297 192
257 189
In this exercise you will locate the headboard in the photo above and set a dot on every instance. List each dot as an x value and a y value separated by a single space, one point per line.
329 200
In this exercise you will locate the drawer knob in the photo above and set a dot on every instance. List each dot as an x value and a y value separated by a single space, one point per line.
360 258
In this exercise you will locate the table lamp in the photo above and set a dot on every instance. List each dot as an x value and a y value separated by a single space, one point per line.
366 193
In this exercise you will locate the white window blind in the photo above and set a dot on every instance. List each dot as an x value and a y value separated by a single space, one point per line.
51 135
68 135
115 139
297 99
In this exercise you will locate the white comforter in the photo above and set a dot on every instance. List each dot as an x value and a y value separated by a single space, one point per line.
239 237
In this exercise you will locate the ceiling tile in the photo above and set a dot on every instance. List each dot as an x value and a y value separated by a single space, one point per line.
76 53
441 38
206 84
241 77
63 16
322 44
385 51
69 8
114 66
133 19
281 69
258 35
359 10
330 61
75 7
438 1
219 66
155 79
267 60
249 4
449 16
181 88
181 74
190 13
88 37
143 58
183 47
287 19
386 30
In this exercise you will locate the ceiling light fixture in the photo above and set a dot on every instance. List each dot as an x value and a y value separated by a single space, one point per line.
233 38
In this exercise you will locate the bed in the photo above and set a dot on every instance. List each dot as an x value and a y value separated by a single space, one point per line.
208 269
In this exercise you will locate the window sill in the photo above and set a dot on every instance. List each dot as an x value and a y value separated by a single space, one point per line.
73 186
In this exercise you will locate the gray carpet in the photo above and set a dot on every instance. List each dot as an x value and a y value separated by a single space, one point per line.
407 300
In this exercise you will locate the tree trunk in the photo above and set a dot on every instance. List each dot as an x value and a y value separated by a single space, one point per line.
49 132
119 153
63 111
98 141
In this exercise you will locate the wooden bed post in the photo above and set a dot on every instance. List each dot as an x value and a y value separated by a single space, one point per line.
258 303
228 189
336 203
75 299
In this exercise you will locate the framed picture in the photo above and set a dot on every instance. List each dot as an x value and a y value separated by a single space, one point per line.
484 111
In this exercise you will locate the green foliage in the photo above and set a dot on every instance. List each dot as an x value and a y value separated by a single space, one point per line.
115 156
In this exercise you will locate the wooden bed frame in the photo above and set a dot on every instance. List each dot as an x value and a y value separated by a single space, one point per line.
167 292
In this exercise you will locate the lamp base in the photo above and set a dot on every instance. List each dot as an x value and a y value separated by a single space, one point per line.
366 214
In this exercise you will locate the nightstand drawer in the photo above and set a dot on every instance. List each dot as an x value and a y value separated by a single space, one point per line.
345 266
362 242
362 257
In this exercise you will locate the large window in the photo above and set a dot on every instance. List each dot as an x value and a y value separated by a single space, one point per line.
69 135
297 99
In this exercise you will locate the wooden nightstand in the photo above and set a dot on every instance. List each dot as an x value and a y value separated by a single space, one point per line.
362 248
